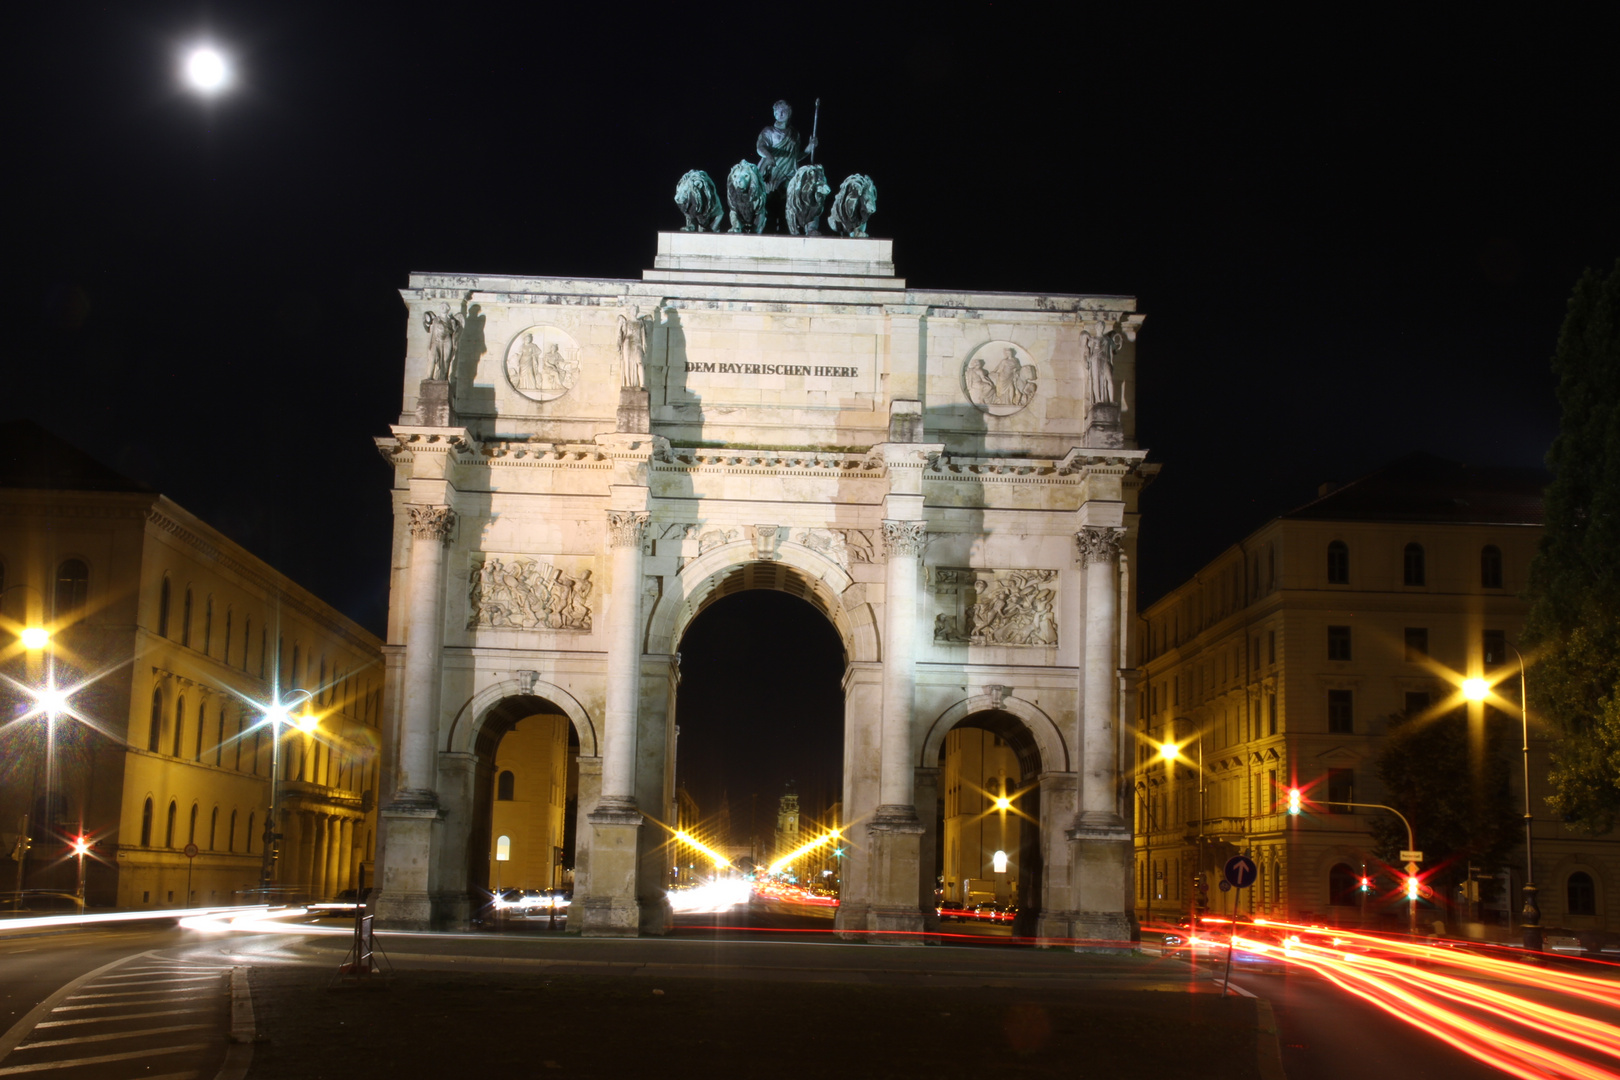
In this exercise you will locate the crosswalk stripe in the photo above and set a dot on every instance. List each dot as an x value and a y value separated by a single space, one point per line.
154 982
127 1004
127 1055
111 1036
118 1016
137 973
134 993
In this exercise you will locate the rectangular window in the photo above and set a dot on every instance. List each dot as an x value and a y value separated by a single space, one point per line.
1417 702
1271 646
1175 690
1338 642
1341 788
1494 647
1271 714
1417 642
1341 712
1271 778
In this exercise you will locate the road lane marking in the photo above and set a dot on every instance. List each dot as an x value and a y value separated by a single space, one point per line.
113 1036
11 1070
119 1016
135 993
127 1004
155 982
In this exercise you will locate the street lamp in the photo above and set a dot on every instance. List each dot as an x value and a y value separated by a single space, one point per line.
1530 915
277 715
1169 751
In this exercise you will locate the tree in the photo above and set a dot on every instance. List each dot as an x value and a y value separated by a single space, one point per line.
1573 626
1460 813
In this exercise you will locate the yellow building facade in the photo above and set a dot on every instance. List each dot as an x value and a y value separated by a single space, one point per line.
531 792
170 640
982 841
1280 663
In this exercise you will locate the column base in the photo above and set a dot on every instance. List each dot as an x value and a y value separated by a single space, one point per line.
895 838
613 909
1101 859
406 902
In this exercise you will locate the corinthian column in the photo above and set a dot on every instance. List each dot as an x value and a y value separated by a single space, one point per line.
904 541
430 530
1099 554
625 532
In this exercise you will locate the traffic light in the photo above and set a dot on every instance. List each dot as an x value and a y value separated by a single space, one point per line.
1293 800
81 845
1411 887
1366 883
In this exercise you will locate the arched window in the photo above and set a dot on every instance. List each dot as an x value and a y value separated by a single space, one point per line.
264 641
237 742
219 738
323 693
213 829
226 657
185 619
208 625
1338 563
998 862
503 786
179 726
154 734
503 849
146 824
191 826
1490 567
292 672
163 606
247 838
247 639
1344 888
72 588
230 837
1412 565
168 832
1580 894
202 722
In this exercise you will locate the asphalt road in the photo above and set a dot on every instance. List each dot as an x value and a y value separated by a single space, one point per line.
1324 1032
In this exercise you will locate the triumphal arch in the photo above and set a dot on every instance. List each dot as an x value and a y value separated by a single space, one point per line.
583 465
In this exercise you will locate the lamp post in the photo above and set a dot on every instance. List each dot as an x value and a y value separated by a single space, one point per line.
1411 845
1530 915
1169 750
278 714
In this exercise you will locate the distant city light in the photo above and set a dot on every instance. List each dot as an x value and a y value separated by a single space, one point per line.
206 70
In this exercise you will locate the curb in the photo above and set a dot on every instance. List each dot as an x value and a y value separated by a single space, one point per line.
239 1050
1268 1043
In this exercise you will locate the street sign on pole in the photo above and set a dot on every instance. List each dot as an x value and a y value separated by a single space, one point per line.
1411 868
1239 872
190 853
1224 885
1411 856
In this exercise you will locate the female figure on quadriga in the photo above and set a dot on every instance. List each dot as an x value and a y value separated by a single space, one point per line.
779 155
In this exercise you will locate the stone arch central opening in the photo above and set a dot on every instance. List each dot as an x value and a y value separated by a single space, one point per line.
759 768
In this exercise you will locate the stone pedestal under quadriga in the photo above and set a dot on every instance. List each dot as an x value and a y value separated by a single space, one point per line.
950 476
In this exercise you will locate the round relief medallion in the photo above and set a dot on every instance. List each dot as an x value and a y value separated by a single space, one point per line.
542 363
999 378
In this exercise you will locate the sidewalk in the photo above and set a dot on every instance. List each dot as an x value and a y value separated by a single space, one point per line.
618 1008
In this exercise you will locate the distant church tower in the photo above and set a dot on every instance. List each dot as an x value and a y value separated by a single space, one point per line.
787 824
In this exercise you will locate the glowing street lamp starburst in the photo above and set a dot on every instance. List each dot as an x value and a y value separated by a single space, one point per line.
207 70
35 638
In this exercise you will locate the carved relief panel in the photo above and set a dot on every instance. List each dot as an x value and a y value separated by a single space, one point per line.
995 607
515 592
1000 378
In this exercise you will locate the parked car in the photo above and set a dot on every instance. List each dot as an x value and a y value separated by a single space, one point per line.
40 902
949 910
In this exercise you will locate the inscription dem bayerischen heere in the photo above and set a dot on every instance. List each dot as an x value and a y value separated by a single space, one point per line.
814 370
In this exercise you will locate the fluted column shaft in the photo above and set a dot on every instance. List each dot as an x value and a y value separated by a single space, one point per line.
430 530
334 858
904 541
1099 554
625 531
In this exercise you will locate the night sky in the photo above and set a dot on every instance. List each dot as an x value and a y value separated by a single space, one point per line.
1352 239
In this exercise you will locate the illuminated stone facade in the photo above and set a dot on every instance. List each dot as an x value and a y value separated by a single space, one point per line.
185 628
950 477
1290 651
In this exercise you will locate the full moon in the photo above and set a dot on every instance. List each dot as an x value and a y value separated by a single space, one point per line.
205 70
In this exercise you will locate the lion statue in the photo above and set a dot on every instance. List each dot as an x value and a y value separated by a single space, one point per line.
699 200
806 193
855 202
745 191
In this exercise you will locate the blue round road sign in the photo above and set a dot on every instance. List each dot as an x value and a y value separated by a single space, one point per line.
1240 871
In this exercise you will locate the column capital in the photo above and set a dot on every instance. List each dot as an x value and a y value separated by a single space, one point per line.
432 522
903 538
1099 543
626 527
